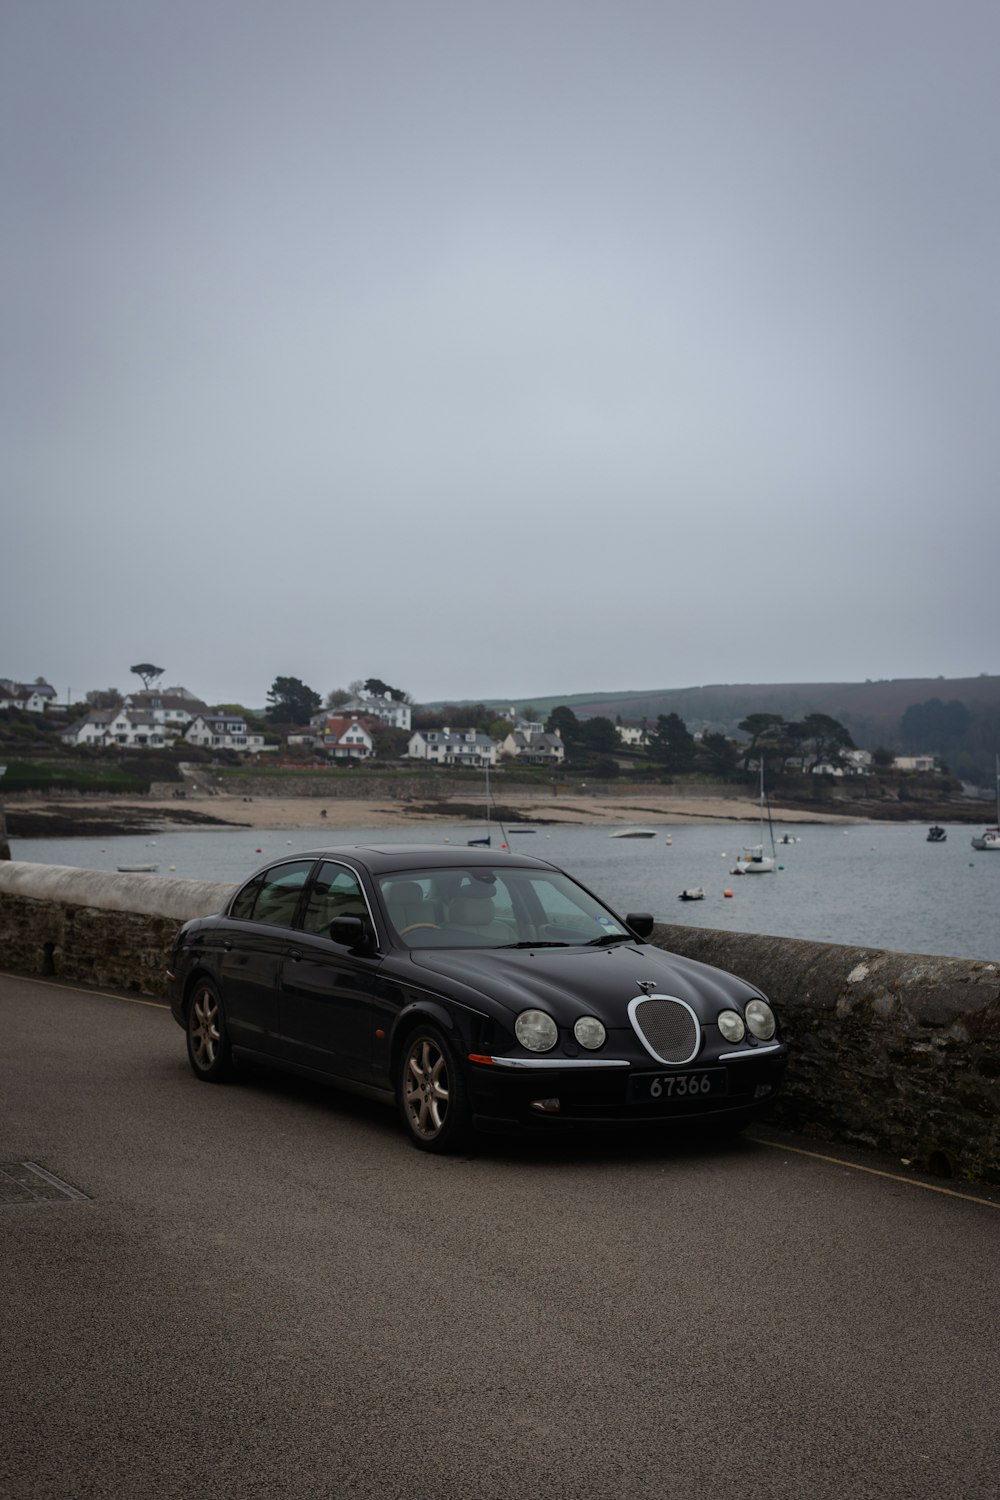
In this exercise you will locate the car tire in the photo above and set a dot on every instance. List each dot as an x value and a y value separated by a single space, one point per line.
209 1050
432 1093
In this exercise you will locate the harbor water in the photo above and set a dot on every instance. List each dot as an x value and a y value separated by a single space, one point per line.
867 885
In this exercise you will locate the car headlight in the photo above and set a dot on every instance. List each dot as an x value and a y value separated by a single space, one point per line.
536 1030
731 1025
760 1019
590 1032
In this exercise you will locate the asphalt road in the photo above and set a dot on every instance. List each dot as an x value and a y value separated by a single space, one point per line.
268 1292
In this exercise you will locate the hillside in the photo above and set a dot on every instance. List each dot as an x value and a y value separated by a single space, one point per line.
871 710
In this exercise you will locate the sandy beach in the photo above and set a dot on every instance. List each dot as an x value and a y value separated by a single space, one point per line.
646 808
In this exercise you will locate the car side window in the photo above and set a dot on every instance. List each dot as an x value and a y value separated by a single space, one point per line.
243 901
278 893
336 892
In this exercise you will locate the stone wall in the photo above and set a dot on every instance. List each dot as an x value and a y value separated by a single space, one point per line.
94 927
894 1051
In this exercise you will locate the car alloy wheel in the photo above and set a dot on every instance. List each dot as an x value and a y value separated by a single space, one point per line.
207 1039
432 1092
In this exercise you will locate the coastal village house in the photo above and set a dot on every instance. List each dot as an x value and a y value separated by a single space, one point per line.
134 728
174 707
446 747
31 697
534 748
396 715
338 736
221 731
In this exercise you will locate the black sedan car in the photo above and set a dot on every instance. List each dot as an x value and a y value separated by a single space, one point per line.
472 989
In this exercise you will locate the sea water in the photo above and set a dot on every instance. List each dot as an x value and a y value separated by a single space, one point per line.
866 885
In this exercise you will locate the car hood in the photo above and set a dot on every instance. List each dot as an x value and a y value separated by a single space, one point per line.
599 981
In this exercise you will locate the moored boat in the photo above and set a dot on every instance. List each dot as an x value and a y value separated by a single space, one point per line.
990 837
633 833
936 834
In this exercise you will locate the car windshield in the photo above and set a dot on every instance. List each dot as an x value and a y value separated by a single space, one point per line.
482 907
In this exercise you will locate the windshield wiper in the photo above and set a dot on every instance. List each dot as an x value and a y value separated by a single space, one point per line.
610 937
541 944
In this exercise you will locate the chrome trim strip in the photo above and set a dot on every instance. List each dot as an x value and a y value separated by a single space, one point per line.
750 1052
557 1064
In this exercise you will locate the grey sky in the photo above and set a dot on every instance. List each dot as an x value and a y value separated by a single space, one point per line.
498 348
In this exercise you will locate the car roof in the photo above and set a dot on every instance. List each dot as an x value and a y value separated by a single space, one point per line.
382 858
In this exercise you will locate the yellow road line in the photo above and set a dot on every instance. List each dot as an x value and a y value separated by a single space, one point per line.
837 1161
82 990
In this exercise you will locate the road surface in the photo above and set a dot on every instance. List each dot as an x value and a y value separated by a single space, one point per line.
263 1290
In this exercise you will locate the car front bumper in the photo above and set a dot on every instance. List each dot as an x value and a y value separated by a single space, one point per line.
563 1093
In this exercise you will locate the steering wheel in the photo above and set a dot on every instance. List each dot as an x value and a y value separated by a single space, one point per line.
414 925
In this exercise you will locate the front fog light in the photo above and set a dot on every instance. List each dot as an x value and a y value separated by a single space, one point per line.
731 1026
590 1032
760 1019
536 1030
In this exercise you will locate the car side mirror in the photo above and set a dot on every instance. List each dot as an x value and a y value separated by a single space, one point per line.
640 922
350 931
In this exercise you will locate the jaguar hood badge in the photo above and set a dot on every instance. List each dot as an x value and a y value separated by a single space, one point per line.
646 985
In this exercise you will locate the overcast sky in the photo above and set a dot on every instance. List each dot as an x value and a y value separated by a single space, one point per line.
498 349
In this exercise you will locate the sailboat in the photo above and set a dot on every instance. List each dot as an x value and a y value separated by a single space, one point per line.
990 837
487 841
753 860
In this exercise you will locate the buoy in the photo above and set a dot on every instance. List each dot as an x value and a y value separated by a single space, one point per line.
258 851
727 893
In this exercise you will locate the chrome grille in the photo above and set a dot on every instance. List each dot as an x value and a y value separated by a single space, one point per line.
668 1028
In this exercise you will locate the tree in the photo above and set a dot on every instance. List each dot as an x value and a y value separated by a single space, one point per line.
758 727
108 698
565 721
672 743
827 737
376 688
337 697
599 734
388 742
147 672
290 701
720 755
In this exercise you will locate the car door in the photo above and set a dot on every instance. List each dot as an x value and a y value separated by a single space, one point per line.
327 992
254 943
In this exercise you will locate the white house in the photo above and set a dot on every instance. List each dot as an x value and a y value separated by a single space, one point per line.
33 697
133 728
634 735
915 763
346 737
396 715
173 707
220 731
447 747
534 749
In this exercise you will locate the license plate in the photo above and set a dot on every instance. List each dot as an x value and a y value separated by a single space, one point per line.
661 1088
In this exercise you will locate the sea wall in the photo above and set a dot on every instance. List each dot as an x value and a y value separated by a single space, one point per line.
895 1051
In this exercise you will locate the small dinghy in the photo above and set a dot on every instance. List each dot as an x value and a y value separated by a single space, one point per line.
692 893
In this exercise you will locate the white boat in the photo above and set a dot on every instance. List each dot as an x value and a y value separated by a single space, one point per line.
753 860
936 834
137 869
990 837
692 893
633 833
